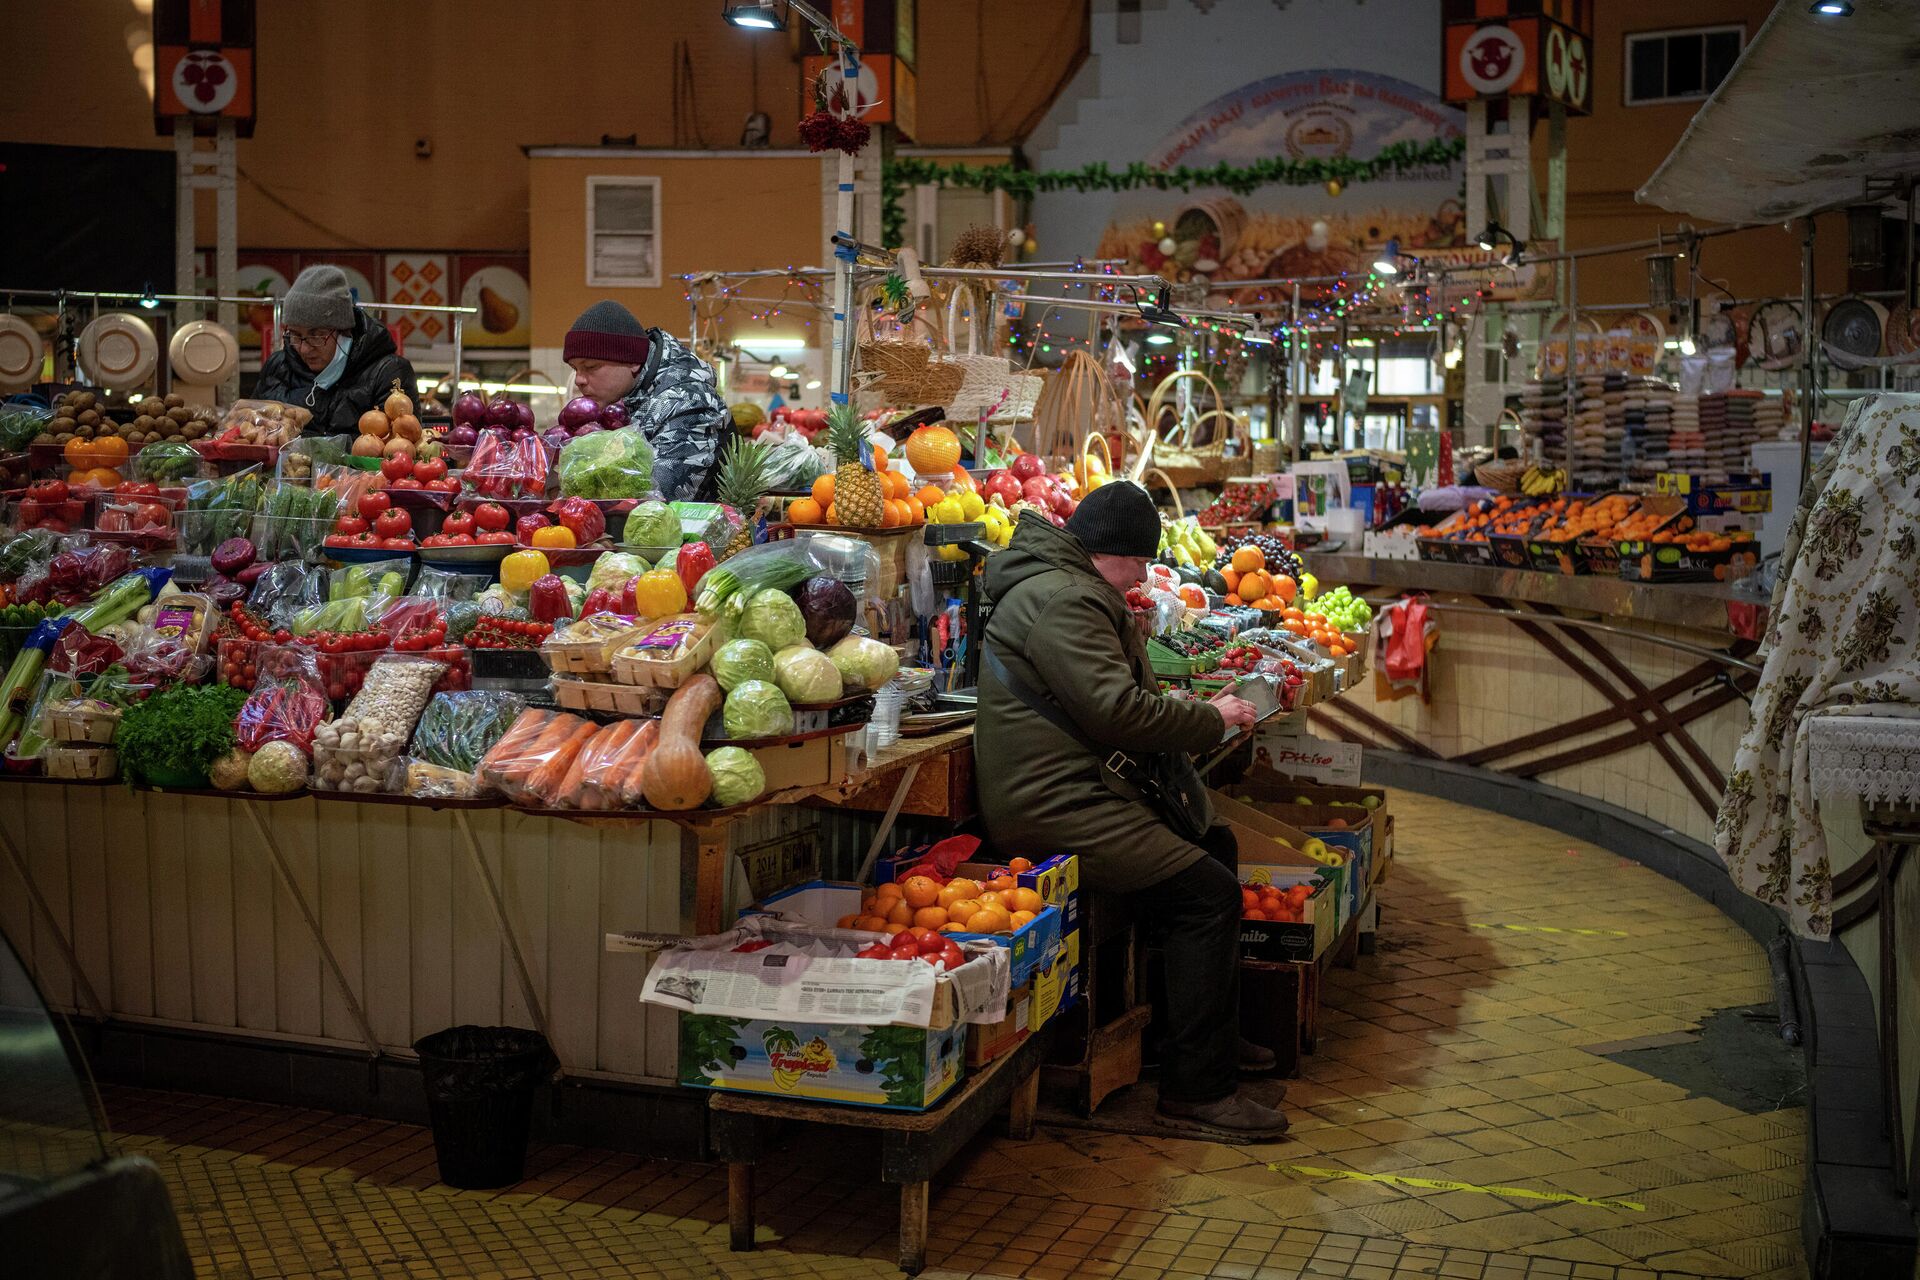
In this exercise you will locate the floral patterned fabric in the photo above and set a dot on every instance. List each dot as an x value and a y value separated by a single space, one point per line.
1841 641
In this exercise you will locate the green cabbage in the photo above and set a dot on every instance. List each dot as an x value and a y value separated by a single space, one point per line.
757 709
772 618
805 674
864 663
614 568
737 776
606 464
740 661
650 524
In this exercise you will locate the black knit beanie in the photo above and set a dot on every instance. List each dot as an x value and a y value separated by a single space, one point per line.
1117 519
607 331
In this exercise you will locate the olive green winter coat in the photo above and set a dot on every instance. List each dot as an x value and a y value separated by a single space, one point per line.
1061 629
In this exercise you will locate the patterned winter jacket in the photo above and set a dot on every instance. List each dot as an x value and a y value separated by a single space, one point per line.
676 405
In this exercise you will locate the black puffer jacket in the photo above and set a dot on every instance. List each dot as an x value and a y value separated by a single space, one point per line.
676 405
373 362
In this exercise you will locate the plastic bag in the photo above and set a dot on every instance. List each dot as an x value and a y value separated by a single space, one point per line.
382 579
607 766
458 729
439 584
411 622
852 560
532 760
707 522
167 462
606 464
284 590
295 521
262 422
361 750
502 467
289 699
218 510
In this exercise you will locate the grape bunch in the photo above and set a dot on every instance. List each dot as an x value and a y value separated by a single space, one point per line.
1280 557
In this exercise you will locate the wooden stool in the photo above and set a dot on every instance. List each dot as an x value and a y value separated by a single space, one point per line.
914 1145
1100 1036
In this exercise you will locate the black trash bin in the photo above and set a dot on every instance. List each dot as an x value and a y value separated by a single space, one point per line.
480 1083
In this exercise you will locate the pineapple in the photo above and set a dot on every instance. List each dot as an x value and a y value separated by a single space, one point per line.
740 483
857 492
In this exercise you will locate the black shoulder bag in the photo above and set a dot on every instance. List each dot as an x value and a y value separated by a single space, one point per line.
1168 784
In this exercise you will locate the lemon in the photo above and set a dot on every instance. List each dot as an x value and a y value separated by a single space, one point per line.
948 511
972 506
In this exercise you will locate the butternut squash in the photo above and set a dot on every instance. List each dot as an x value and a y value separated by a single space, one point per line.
675 776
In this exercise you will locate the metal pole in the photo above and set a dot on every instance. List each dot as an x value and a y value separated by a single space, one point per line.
1573 379
1297 354
459 345
1811 341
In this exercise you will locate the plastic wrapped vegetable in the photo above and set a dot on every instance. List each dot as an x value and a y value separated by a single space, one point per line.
757 709
594 780
607 464
277 769
739 661
532 760
864 663
116 602
651 525
612 570
289 699
165 461
737 776
458 729
361 750
806 675
772 618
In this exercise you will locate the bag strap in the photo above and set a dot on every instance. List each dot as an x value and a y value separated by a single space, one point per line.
1119 762
953 320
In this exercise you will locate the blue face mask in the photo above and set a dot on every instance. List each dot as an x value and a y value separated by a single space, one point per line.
336 366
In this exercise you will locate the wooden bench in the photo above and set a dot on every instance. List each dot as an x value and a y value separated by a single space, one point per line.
914 1145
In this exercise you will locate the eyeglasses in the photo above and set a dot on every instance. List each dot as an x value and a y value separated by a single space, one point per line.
311 341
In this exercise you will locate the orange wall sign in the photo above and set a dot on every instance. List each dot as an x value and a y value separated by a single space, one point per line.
203 63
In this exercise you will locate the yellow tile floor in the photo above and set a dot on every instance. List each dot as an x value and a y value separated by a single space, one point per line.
1452 1124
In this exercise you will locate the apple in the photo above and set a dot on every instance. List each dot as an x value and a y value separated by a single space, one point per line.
1025 467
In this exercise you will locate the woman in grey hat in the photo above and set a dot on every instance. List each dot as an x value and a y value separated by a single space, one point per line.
334 359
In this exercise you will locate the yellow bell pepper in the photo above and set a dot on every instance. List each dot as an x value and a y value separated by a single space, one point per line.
520 570
554 535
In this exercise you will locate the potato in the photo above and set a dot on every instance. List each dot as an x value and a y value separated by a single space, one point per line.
194 430
84 399
174 401
88 417
179 413
63 437
62 425
137 439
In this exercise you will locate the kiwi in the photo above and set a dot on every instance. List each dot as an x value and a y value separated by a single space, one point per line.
44 438
63 437
179 414
62 425
137 439
194 430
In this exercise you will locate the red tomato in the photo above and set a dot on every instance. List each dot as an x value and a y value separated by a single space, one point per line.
491 516
494 538
150 515
397 544
396 467
430 469
372 504
348 526
392 523
461 540
458 522
406 482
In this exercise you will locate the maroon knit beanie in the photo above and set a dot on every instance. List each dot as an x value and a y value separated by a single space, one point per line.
607 331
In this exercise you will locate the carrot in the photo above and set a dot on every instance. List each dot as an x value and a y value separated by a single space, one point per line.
634 761
585 787
512 772
545 780
525 726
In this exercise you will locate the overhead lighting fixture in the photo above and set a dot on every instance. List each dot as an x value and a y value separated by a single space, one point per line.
814 385
148 301
1388 263
1159 338
1255 338
1687 345
755 17
1490 239
778 371
751 345
1831 8
1156 311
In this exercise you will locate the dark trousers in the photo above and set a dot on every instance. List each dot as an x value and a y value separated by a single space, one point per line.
1198 1004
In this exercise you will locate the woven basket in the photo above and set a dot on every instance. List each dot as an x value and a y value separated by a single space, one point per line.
1179 508
1021 405
1079 401
986 382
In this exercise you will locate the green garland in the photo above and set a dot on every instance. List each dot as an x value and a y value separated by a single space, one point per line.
905 171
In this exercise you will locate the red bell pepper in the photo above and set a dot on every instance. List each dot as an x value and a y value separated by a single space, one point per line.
582 517
692 564
547 599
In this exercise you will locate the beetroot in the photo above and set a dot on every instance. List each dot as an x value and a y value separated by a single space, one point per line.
233 555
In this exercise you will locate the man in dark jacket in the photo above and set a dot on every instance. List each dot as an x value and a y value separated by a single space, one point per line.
669 393
335 359
1064 684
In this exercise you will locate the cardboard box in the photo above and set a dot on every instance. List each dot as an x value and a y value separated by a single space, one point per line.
1266 838
1056 983
1285 940
810 762
987 1041
893 1068
1302 755
1057 880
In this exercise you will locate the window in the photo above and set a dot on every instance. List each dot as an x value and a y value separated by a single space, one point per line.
623 232
1680 66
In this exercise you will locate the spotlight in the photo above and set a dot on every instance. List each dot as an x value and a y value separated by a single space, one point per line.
778 371
1156 312
1831 8
1388 263
755 17
148 302
1687 345
1159 339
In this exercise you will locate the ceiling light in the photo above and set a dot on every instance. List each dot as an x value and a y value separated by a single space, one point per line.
1158 338
751 345
1388 263
1254 338
148 301
1831 8
778 371
1687 346
755 17
814 385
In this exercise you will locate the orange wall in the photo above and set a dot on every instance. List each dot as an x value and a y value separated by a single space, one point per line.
1616 149
347 86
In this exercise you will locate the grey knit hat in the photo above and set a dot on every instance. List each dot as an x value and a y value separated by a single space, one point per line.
320 298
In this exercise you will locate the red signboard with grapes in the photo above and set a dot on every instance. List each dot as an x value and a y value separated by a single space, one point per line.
203 64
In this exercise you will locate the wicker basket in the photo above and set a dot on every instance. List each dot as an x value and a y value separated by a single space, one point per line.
617 699
635 665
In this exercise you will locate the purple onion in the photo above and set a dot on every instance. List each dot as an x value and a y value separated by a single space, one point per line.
614 415
586 429
555 437
470 409
463 434
579 411
523 416
522 433
501 412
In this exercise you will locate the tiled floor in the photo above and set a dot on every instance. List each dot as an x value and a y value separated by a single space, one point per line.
1455 1122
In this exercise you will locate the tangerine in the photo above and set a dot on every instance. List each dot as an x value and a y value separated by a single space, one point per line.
900 913
879 458
833 514
930 917
920 891
847 922
916 511
871 924
1249 558
930 495
1001 883
1253 913
1024 900
805 511
990 919
955 891
894 929
963 912
891 889
1019 865
823 490
1021 919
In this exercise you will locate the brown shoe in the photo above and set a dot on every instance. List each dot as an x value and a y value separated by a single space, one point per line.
1235 1116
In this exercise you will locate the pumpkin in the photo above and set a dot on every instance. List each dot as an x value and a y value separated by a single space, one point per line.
397 405
933 450
376 424
676 776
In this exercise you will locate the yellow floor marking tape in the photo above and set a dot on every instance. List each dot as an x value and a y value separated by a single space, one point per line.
1441 1184
1542 928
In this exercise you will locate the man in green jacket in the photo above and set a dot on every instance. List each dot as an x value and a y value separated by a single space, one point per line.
1065 682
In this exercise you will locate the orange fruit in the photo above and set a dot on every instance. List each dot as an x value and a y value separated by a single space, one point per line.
1253 585
1001 883
930 494
1285 588
895 928
79 454
962 482
1019 865
1247 558
920 891
891 889
900 913
871 924
109 451
1233 580
956 890
1021 919
990 919
879 458
833 514
895 514
963 912
916 510
930 917
1253 913
847 922
823 490
805 511
105 477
